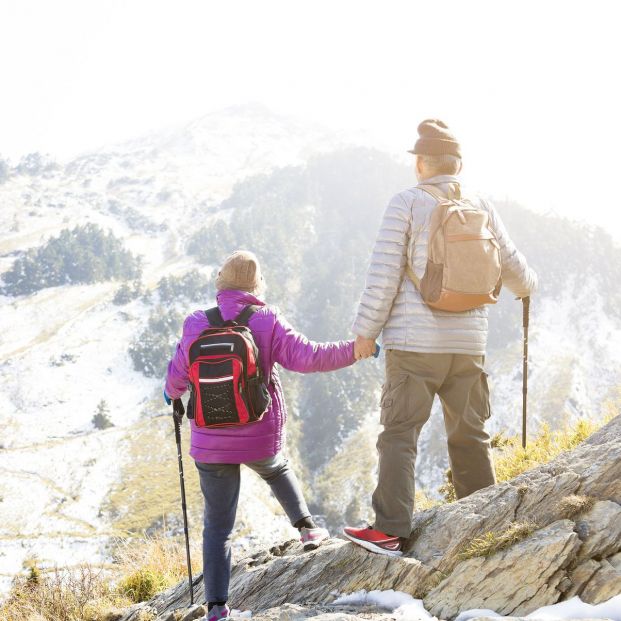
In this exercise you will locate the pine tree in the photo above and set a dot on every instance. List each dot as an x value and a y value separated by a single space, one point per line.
101 419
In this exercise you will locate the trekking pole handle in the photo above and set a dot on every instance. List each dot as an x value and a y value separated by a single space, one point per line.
178 409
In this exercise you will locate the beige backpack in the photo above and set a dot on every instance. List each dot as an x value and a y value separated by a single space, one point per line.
463 263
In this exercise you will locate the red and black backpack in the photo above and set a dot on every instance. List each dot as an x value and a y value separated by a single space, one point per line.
226 382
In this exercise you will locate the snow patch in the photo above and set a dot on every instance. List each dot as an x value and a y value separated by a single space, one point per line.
402 604
406 608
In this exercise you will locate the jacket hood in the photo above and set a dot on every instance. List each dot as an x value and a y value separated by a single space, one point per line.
232 301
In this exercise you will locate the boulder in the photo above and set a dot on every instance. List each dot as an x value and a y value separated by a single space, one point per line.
603 585
514 581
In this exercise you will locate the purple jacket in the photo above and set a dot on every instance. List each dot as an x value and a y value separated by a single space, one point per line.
278 343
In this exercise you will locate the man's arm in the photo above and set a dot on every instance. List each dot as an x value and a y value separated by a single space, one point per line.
385 270
516 275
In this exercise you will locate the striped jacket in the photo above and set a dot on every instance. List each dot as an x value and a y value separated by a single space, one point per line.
391 304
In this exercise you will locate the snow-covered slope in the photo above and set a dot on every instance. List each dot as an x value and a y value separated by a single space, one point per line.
64 349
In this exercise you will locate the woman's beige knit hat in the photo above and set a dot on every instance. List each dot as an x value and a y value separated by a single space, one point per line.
241 271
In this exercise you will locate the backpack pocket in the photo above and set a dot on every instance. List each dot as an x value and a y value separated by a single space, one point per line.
218 388
259 398
431 282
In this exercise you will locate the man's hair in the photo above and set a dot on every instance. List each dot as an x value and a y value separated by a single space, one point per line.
441 164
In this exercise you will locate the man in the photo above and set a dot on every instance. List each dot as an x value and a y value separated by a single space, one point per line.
428 352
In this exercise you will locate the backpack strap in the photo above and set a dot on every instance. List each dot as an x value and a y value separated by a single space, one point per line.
412 276
244 316
242 320
435 192
454 191
214 317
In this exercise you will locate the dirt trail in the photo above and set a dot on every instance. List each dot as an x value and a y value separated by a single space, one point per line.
51 327
29 475
57 441
26 240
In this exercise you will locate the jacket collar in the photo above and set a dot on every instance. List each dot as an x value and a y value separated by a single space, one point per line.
440 179
232 301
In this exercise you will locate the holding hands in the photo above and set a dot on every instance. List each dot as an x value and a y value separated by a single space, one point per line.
365 348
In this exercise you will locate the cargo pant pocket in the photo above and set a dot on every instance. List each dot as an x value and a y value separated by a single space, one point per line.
393 403
486 409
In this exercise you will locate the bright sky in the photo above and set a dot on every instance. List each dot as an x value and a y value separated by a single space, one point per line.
530 88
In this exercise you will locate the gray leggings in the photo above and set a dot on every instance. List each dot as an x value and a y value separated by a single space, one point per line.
220 487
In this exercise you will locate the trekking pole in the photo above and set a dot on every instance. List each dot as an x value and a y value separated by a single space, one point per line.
525 318
178 412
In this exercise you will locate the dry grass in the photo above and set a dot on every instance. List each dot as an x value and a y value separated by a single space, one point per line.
447 489
151 565
79 594
492 542
142 568
574 505
424 502
512 460
148 491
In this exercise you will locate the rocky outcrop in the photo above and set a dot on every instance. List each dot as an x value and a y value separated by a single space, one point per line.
336 567
573 547
526 574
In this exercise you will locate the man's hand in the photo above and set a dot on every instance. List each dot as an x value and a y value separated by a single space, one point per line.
363 348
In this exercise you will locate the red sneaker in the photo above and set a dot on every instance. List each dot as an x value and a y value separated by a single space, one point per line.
375 540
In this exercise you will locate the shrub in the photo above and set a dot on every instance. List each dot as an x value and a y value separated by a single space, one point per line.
141 569
134 219
142 584
152 564
85 254
212 244
82 593
101 419
153 347
193 286
547 445
35 164
575 504
126 293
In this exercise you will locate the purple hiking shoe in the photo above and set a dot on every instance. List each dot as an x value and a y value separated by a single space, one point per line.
312 538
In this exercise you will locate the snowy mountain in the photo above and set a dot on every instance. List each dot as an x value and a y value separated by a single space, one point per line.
309 204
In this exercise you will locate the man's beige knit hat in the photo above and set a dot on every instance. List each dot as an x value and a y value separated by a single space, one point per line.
241 271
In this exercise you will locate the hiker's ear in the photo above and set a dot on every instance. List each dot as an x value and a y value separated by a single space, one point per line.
418 167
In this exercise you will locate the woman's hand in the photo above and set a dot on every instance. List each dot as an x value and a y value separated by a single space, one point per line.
364 348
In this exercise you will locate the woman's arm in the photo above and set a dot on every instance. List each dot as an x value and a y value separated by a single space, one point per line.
295 352
177 375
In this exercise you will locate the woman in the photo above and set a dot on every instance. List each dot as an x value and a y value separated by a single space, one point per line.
218 452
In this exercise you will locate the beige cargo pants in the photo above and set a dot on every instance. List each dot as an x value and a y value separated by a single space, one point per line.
412 381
